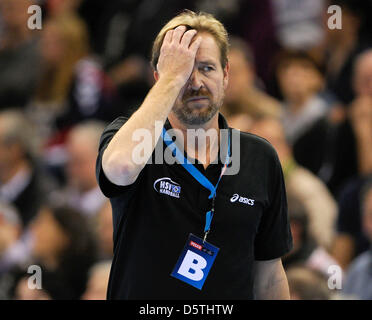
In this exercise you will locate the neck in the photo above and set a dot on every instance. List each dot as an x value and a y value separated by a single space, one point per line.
296 104
201 145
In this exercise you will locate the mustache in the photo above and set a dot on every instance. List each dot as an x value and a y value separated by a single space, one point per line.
193 94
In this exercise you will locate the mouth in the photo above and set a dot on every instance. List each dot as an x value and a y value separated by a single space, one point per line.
197 99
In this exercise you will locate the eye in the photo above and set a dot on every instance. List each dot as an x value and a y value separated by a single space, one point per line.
206 69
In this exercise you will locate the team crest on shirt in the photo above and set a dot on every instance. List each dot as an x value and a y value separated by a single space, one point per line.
167 186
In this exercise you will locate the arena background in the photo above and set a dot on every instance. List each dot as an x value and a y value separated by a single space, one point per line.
300 76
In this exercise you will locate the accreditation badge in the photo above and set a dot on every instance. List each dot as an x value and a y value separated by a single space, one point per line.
195 262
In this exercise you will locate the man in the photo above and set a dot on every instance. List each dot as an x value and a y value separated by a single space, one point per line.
22 183
151 225
82 191
301 184
352 163
242 94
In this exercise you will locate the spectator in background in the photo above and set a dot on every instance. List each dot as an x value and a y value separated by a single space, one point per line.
22 182
242 94
306 251
14 251
82 191
305 111
354 135
73 85
352 163
343 45
359 275
19 55
301 184
105 231
307 284
65 249
98 281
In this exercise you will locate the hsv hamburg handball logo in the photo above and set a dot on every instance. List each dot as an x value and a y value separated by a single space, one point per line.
168 187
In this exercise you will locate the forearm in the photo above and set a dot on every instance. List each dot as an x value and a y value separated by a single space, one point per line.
117 162
271 282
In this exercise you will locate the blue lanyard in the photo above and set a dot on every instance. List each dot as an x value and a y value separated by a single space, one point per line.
198 175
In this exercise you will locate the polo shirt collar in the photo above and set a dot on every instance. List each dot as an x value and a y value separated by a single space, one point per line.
222 123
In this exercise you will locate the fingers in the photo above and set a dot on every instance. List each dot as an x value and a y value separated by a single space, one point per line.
187 37
177 34
168 36
195 45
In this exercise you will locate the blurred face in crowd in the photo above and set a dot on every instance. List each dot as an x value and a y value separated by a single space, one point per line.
97 285
81 163
49 238
105 229
272 131
367 215
241 75
52 44
203 94
363 75
23 292
14 13
298 80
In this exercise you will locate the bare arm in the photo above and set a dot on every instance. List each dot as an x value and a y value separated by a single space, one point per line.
176 61
270 280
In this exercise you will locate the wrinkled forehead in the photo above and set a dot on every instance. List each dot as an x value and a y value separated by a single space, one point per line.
208 49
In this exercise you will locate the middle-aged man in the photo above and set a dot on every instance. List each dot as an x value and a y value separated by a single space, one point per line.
157 206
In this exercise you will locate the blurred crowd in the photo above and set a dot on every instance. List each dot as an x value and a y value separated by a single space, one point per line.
304 87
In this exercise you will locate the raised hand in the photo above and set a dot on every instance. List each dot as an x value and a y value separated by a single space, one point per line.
177 54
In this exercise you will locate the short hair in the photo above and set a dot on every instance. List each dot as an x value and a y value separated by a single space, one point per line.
200 21
17 129
241 45
90 128
287 57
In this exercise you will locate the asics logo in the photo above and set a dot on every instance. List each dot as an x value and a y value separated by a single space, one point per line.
241 199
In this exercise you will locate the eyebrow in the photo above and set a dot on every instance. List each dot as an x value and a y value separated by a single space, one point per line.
210 62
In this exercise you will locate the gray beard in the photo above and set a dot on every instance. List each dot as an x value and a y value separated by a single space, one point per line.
191 117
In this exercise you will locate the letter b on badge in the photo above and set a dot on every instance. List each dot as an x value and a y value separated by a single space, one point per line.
192 266
195 262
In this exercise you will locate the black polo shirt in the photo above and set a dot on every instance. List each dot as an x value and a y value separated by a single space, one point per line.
151 226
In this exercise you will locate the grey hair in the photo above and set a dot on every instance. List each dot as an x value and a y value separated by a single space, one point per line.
18 129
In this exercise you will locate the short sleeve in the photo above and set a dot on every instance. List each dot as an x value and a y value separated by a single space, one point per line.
108 188
274 238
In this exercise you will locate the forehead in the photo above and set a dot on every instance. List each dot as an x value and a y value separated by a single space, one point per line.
208 49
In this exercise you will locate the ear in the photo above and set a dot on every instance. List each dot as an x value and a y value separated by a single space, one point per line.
156 75
226 75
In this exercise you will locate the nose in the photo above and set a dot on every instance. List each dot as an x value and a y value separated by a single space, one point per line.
195 81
